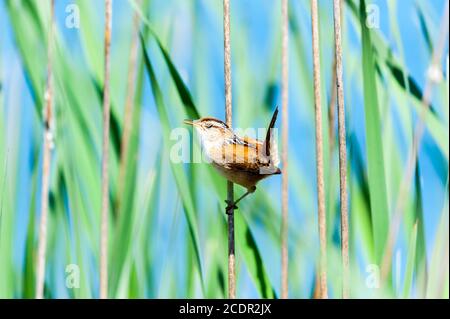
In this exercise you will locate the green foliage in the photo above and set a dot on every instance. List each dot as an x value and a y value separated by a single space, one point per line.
374 141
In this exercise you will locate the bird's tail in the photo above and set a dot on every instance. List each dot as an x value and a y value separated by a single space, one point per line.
270 146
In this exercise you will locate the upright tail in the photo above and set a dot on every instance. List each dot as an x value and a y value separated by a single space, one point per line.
269 147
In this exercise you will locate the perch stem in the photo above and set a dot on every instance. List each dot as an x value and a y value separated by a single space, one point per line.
228 115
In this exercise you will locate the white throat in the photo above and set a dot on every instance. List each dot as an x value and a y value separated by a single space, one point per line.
209 141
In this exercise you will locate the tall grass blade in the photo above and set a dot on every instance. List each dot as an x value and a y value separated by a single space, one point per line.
374 144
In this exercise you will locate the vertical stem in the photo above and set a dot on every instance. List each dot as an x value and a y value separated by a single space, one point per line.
332 111
46 160
105 157
129 105
228 115
417 139
342 149
319 153
231 245
284 155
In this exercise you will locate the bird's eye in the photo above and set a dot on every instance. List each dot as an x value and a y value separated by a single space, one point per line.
209 125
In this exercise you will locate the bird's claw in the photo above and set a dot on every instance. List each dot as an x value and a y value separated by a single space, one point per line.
230 206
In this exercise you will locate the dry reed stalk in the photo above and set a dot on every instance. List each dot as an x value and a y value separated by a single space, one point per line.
319 152
46 161
332 110
342 150
284 155
129 105
417 138
228 115
105 155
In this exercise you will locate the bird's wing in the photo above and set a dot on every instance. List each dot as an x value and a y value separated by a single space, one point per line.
273 159
253 142
242 157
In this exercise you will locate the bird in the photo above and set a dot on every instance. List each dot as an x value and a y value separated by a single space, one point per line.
241 160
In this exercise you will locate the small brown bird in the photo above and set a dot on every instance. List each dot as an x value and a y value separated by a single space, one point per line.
241 160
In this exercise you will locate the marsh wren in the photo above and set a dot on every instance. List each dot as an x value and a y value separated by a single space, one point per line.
241 160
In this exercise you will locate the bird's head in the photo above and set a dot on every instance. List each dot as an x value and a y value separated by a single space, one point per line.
211 130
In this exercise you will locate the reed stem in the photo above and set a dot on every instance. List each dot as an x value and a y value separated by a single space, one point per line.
332 112
105 155
284 155
228 115
319 152
342 150
46 161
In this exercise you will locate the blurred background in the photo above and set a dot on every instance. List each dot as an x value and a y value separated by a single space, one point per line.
167 234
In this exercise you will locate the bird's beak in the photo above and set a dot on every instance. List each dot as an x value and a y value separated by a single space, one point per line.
189 122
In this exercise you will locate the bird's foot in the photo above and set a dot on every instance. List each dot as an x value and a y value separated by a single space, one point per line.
230 206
